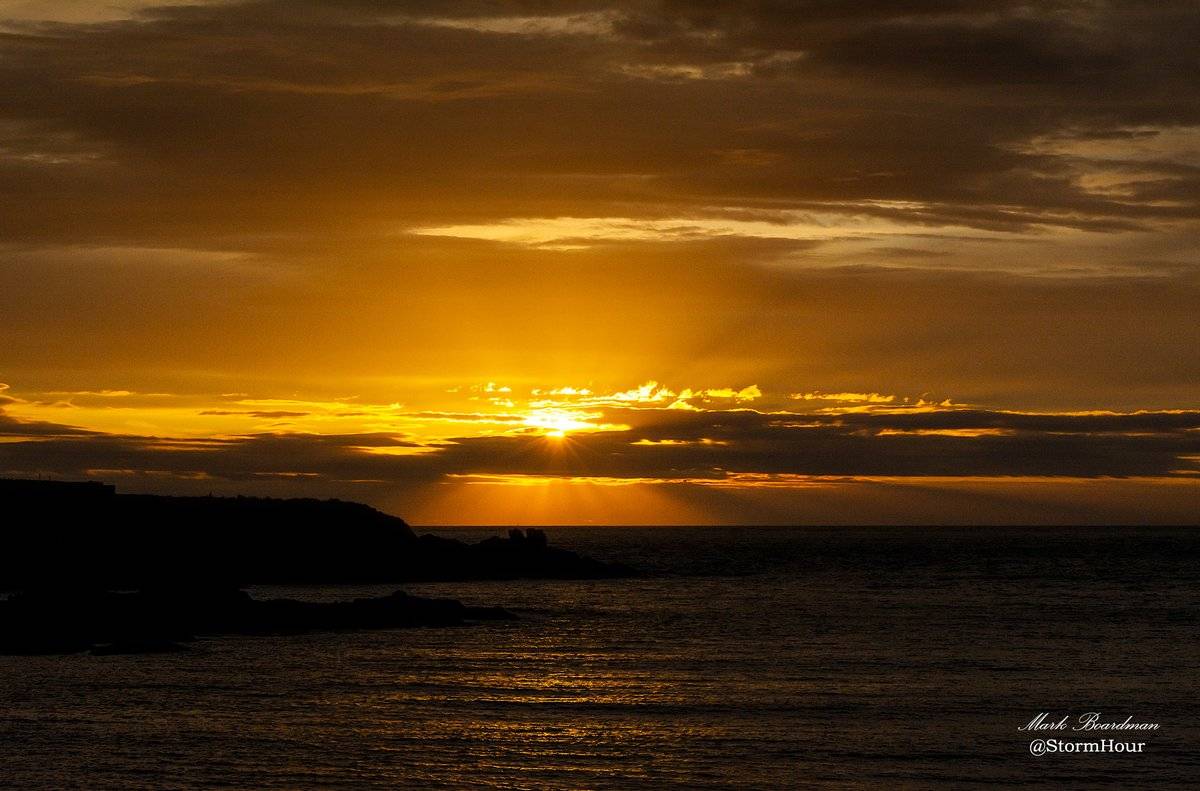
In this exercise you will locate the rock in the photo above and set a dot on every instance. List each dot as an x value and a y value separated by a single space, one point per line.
157 621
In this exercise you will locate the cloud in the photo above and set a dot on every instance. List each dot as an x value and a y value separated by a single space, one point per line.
736 451
22 14
835 107
255 413
17 430
853 398
666 444
598 23
568 233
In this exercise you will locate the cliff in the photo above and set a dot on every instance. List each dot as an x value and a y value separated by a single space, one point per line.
87 535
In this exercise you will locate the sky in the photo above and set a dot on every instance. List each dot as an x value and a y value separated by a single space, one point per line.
649 262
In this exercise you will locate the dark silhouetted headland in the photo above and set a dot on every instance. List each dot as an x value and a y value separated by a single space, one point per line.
87 535
114 573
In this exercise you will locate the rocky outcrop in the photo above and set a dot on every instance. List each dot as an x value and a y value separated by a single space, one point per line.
156 621
522 554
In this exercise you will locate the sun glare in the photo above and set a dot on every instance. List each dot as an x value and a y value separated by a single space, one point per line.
557 422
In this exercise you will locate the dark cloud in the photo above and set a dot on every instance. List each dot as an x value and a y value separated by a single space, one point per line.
36 429
182 113
60 450
664 445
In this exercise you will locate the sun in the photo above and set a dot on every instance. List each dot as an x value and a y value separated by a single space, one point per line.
557 422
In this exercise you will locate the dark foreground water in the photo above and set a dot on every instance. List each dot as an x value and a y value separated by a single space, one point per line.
864 658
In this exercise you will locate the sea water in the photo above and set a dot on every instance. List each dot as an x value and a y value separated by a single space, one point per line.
748 658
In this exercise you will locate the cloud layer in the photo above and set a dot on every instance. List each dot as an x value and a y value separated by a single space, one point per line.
650 446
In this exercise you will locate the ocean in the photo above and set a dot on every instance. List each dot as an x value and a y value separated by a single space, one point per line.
750 658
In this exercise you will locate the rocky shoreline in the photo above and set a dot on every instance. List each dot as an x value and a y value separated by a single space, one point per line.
158 621
94 570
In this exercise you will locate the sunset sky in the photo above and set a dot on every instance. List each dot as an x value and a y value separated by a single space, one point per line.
528 261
